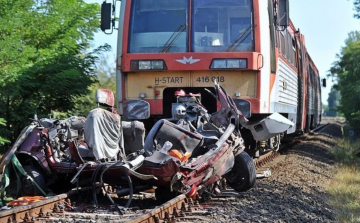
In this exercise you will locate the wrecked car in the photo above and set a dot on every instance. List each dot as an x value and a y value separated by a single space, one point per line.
188 153
53 156
193 150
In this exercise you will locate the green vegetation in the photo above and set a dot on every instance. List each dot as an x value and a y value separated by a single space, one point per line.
45 63
346 70
106 76
333 103
2 140
344 188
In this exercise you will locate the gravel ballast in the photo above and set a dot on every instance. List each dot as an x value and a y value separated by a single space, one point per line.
296 191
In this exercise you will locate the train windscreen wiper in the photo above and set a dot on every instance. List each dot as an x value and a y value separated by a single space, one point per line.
243 36
172 39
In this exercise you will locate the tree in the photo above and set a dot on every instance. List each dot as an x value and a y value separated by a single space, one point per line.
333 102
357 9
3 140
347 72
106 75
43 66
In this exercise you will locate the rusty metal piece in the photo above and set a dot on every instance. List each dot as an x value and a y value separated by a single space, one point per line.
56 208
41 213
162 211
264 159
189 209
223 184
191 201
10 220
183 207
173 220
61 208
156 220
18 214
182 214
26 217
175 212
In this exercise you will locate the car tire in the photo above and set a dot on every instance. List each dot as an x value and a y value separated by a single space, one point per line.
242 176
28 187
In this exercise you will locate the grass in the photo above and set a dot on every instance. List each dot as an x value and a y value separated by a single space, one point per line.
344 188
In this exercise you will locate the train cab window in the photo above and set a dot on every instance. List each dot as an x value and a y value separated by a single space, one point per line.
222 25
158 26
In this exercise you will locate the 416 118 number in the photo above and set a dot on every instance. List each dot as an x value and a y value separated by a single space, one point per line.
207 79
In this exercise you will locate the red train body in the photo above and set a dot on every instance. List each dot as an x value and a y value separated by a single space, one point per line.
250 47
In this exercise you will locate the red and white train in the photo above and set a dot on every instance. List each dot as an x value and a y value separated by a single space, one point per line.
250 47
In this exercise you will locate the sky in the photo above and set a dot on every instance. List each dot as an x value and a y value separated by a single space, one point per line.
325 24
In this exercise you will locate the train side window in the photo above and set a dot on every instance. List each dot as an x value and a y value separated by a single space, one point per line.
294 52
288 47
300 60
282 42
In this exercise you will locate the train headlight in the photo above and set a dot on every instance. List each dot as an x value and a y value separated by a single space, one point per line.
148 65
157 65
228 64
144 65
218 64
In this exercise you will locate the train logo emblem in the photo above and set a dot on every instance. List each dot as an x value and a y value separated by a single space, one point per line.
189 60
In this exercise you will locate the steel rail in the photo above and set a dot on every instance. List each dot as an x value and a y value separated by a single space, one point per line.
29 213
320 127
166 212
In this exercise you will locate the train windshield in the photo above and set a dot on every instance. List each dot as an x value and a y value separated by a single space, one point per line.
222 26
158 26
161 26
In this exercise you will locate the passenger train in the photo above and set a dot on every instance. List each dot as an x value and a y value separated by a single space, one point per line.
250 47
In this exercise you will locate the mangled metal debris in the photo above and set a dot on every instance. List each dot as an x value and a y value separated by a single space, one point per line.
188 153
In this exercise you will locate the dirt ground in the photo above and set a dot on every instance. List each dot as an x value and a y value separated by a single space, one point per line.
296 190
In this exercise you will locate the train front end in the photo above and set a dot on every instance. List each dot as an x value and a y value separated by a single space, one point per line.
169 46
172 45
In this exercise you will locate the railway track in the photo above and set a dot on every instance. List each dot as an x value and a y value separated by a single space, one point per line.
31 212
180 208
61 208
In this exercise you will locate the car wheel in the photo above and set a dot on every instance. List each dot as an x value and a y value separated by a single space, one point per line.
28 187
242 176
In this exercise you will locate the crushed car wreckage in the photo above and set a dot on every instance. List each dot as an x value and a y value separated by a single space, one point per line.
188 153
194 149
53 155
